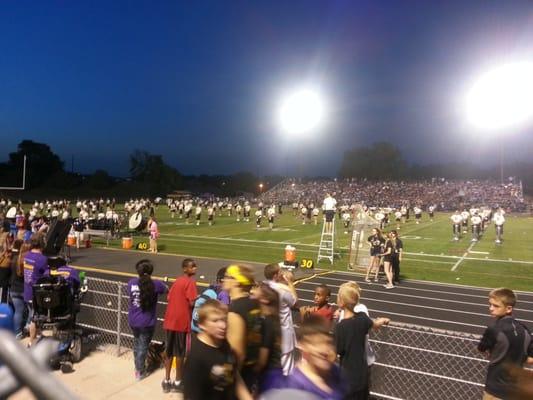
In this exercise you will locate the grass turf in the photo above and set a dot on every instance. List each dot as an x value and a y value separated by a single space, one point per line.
430 254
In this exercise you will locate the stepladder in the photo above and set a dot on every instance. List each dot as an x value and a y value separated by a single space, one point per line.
326 250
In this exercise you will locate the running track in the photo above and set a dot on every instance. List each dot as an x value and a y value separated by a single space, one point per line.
442 306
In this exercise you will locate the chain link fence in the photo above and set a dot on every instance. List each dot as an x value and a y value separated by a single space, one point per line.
104 316
413 362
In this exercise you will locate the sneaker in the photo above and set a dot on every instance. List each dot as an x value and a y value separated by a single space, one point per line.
166 386
387 286
177 387
367 280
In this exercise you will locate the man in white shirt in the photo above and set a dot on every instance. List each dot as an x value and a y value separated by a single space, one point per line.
329 207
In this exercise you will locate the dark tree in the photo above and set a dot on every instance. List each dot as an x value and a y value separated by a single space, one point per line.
41 163
152 170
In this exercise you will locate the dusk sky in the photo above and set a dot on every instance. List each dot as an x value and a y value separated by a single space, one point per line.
199 81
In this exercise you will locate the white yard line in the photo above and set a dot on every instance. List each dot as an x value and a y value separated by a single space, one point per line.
463 257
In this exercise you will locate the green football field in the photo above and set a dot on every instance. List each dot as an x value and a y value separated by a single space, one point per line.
430 254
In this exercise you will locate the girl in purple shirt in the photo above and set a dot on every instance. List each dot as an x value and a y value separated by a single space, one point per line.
143 293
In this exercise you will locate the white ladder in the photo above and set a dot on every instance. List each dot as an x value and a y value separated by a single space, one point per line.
327 243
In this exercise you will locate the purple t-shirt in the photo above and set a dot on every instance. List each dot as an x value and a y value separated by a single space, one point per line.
223 297
297 380
138 318
35 267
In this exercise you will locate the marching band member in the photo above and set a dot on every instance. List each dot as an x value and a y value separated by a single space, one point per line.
172 208
303 211
418 214
431 211
380 217
457 220
405 214
398 218
476 227
346 217
271 213
187 209
198 213
466 215
499 220
258 217
238 211
316 212
247 211
210 214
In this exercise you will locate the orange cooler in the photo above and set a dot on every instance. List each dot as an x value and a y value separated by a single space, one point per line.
127 243
71 240
290 254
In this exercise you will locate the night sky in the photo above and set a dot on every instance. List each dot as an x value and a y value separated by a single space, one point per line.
199 81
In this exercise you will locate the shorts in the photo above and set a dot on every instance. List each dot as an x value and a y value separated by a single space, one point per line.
176 345
329 215
271 220
374 251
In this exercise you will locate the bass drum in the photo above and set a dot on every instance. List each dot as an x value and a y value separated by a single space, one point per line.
137 222
11 213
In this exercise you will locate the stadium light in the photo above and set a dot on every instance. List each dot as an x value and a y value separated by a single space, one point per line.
502 98
301 112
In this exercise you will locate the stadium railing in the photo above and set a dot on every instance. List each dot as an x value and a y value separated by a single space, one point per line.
413 362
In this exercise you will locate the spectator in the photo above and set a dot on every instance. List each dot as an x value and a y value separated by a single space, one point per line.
507 342
16 290
211 371
212 292
143 293
244 321
316 373
350 334
269 363
35 267
177 323
321 307
282 282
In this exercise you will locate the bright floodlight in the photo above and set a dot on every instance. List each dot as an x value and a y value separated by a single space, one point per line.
301 112
502 98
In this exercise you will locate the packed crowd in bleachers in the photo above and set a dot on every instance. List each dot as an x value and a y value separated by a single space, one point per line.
446 195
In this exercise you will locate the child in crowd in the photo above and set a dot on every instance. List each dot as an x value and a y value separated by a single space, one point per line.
210 371
321 307
508 343
316 373
177 323
212 292
350 334
143 293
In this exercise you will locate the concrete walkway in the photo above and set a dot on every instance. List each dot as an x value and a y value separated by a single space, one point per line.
104 376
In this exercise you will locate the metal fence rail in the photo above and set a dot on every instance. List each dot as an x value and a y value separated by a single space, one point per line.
413 362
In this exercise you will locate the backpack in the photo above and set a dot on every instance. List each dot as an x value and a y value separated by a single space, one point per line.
207 294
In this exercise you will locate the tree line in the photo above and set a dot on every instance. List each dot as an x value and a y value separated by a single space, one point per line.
151 176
